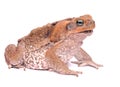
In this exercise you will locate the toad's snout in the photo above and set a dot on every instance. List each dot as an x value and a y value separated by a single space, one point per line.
90 23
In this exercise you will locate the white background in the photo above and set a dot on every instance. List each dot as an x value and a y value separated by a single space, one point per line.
19 17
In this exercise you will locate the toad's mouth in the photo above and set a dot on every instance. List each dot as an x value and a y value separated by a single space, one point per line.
87 31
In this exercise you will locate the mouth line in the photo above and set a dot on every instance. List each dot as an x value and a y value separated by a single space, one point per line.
87 31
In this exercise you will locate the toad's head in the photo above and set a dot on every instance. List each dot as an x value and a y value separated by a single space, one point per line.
83 24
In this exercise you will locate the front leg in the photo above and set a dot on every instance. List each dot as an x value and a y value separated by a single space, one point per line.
55 63
85 60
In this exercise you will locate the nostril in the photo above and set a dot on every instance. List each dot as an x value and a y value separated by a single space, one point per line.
90 22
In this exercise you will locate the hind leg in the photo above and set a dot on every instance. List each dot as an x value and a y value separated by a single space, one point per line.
13 56
85 60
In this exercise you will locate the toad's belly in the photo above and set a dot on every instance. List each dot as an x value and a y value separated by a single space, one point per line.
36 59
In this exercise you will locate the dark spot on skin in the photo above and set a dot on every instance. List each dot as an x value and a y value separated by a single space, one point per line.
47 34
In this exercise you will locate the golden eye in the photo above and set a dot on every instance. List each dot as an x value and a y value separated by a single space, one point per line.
79 22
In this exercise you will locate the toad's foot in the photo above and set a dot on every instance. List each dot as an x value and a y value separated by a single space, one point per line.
71 72
87 63
17 67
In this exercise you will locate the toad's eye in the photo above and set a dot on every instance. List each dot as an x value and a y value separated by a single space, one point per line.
80 22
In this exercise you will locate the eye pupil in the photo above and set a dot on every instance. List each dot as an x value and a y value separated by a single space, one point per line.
79 22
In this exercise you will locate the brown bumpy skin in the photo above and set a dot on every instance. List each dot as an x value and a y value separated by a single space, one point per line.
51 46
13 56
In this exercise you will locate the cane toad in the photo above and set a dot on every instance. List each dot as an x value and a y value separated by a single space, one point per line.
51 46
